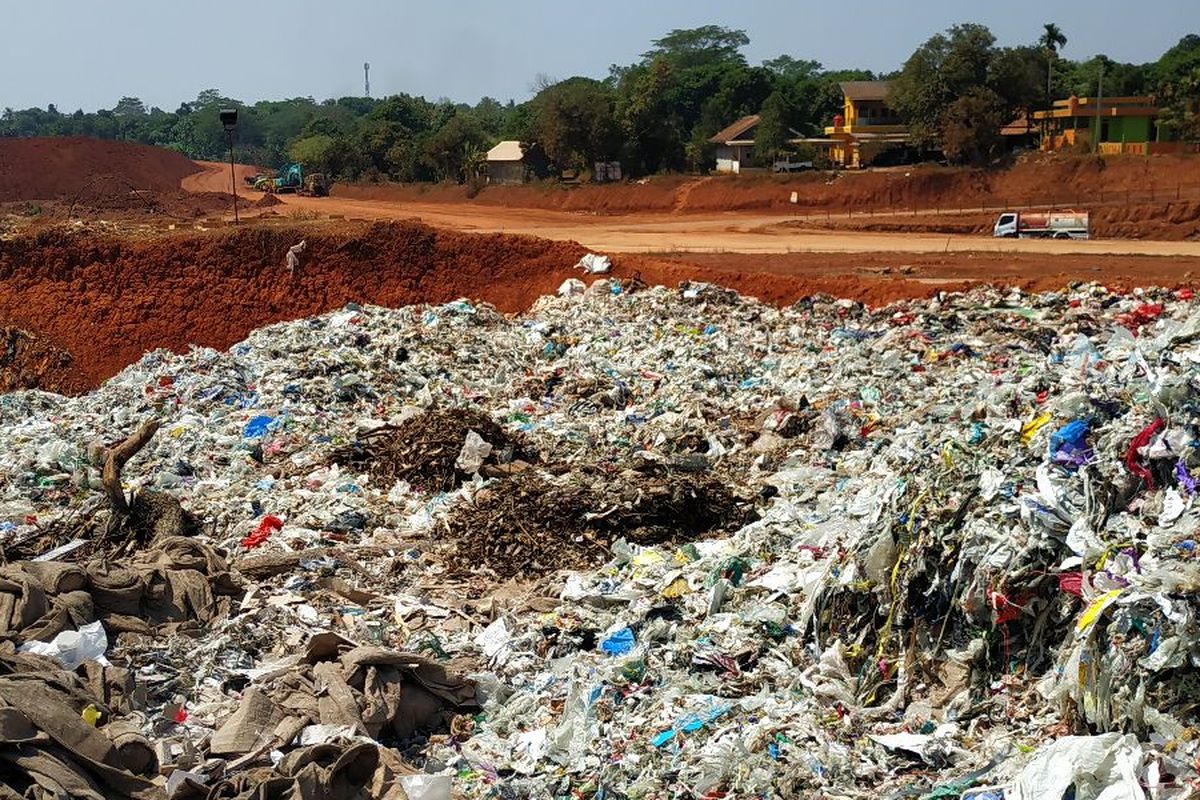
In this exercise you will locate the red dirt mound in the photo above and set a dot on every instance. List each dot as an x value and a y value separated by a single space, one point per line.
107 300
48 168
96 302
1036 179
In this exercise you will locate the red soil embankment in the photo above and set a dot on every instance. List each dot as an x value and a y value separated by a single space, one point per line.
52 167
105 300
1174 221
1037 179
656 195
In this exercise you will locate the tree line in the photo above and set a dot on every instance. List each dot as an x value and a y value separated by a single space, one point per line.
655 115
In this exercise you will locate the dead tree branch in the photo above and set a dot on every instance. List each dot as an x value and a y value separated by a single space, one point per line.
115 460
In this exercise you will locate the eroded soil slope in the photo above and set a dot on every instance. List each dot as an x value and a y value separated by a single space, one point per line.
106 301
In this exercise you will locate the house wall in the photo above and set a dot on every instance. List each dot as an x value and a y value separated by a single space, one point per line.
868 112
732 158
1118 131
726 159
506 172
1129 129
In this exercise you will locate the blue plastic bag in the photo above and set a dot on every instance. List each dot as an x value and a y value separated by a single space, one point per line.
619 643
258 427
1074 434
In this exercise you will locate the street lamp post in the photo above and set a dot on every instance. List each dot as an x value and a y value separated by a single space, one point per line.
229 122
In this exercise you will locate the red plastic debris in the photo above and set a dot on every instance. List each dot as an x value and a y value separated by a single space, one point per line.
1184 294
1004 610
270 524
1143 438
1142 315
181 715
1071 583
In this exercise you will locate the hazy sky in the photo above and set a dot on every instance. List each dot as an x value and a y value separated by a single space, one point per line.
88 53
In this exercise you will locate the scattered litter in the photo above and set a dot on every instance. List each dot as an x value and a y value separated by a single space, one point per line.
594 264
633 543
72 648
293 256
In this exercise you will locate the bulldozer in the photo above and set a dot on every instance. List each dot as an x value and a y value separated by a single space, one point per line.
291 179
315 185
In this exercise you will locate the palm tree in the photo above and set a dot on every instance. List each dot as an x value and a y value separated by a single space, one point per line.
1051 39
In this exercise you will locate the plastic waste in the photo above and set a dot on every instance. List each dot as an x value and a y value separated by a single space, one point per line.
293 255
257 427
571 287
1103 767
619 643
935 539
72 648
268 525
474 452
426 787
594 264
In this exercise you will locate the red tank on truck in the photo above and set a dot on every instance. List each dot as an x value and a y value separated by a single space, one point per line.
1042 225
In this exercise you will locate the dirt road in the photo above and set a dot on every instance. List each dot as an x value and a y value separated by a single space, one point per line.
215 178
744 233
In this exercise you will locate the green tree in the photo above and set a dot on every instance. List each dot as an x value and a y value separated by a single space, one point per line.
1176 64
1180 103
316 153
958 73
492 114
130 113
688 48
1050 41
770 139
575 123
1084 77
452 152
1015 76
130 107
971 128
791 69
653 130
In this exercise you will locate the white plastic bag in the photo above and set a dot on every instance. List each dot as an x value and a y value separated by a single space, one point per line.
426 787
72 648
594 264
474 452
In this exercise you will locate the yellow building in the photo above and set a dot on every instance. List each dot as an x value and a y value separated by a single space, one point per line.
866 127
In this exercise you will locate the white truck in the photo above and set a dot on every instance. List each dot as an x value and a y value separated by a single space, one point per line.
1042 225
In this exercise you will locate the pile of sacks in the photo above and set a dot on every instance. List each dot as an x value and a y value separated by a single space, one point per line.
176 585
59 738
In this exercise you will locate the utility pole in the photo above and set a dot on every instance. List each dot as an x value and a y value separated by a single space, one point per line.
229 118
1099 100
366 79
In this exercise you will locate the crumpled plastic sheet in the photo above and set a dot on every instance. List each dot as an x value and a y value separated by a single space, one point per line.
964 546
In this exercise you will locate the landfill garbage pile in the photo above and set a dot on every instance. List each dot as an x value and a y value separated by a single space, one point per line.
940 549
526 524
427 449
